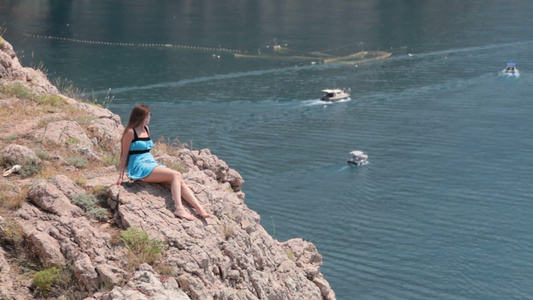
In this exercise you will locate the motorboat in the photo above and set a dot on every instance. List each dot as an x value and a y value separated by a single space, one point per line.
511 70
333 95
358 158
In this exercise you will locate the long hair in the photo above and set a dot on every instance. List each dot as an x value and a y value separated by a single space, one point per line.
138 113
137 116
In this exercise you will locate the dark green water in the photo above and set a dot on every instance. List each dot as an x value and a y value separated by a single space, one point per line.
443 209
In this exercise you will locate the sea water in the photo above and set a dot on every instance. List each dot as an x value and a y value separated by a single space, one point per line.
443 208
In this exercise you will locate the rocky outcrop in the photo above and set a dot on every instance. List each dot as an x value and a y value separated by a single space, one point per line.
18 154
227 256
12 70
145 285
5 284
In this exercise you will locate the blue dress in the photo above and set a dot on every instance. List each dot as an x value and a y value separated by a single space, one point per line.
140 161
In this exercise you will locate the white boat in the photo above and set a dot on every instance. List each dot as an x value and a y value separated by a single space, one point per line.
511 70
358 158
334 95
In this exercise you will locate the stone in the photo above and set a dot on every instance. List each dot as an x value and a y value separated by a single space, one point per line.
18 154
86 273
48 197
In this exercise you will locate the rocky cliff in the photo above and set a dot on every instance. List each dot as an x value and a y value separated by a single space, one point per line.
68 232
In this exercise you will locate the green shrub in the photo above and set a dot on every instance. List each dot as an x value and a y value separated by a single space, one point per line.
89 203
77 161
29 168
84 120
80 181
44 279
51 100
72 141
100 192
144 249
11 137
17 90
111 160
41 154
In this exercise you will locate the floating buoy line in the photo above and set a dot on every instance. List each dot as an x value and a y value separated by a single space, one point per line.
270 52
220 49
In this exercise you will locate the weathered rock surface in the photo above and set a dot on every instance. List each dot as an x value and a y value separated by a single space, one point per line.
12 70
227 256
5 283
18 154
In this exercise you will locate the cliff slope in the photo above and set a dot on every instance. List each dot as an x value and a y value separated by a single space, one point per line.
68 232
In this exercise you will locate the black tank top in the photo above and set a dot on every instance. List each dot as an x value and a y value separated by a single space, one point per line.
137 138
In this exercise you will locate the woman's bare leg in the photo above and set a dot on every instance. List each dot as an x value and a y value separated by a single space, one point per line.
188 195
165 175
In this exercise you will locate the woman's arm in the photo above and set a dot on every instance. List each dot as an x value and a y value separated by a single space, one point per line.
126 142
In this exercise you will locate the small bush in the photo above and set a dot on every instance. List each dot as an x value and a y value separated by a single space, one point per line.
29 168
12 196
11 137
51 100
290 255
17 90
165 269
179 167
166 146
111 160
100 192
89 203
67 88
72 141
44 279
84 119
11 232
80 181
77 161
105 102
142 248
41 154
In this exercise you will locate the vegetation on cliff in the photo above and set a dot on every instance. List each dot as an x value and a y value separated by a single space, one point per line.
67 232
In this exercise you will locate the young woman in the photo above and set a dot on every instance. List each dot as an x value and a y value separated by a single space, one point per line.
136 146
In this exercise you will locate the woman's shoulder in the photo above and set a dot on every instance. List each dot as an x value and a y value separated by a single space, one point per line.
128 133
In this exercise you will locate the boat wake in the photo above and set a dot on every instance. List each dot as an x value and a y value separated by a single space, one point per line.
505 73
460 50
184 82
314 102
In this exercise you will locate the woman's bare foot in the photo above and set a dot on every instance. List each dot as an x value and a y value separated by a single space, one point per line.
184 215
202 213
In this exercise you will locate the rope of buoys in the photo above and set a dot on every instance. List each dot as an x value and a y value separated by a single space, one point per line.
199 48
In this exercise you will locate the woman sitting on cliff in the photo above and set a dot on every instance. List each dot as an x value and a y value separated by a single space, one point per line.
136 146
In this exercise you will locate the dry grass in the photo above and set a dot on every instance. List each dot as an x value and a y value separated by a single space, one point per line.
48 171
12 196
166 146
11 232
19 109
67 88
